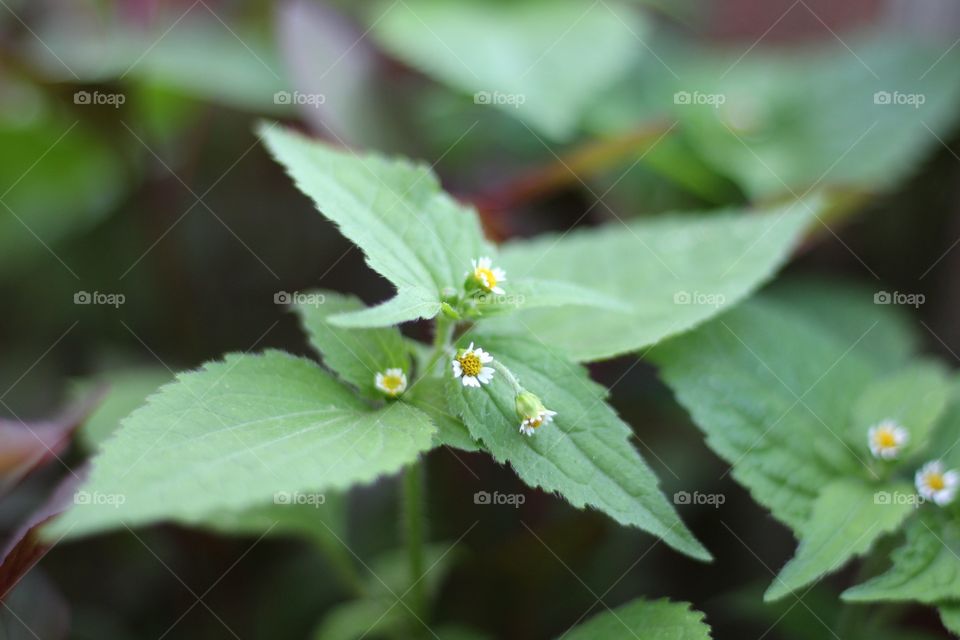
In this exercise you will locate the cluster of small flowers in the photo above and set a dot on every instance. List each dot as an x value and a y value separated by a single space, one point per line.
470 365
934 482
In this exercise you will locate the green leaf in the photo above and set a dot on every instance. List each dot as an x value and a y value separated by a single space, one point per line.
429 395
531 293
644 620
845 520
542 61
128 389
192 53
750 117
321 517
915 397
411 232
925 569
772 394
768 138
849 311
584 455
355 355
232 435
950 616
673 273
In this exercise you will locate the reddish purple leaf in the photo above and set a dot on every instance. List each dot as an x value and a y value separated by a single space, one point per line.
24 549
25 447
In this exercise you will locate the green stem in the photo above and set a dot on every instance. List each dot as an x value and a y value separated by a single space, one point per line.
512 379
413 523
441 342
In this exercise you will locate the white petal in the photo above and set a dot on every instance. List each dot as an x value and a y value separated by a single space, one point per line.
486 374
951 479
484 356
499 274
484 262
457 370
497 290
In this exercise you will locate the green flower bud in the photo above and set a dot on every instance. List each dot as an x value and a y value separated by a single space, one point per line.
532 413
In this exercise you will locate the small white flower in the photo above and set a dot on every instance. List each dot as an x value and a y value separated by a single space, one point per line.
887 439
532 413
468 366
529 425
392 382
488 276
933 483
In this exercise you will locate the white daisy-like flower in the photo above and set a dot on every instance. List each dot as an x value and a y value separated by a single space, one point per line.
488 276
391 382
936 484
468 366
887 439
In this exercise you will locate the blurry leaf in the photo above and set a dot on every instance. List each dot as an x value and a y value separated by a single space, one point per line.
56 179
235 433
355 355
429 395
925 569
542 61
584 454
860 114
25 447
411 232
849 312
915 397
673 273
196 54
772 394
126 390
845 520
387 611
644 620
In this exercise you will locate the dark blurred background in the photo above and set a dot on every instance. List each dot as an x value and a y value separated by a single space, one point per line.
154 188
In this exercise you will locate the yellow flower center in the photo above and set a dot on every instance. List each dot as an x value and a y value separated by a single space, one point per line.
935 481
885 439
470 364
536 421
485 276
392 384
